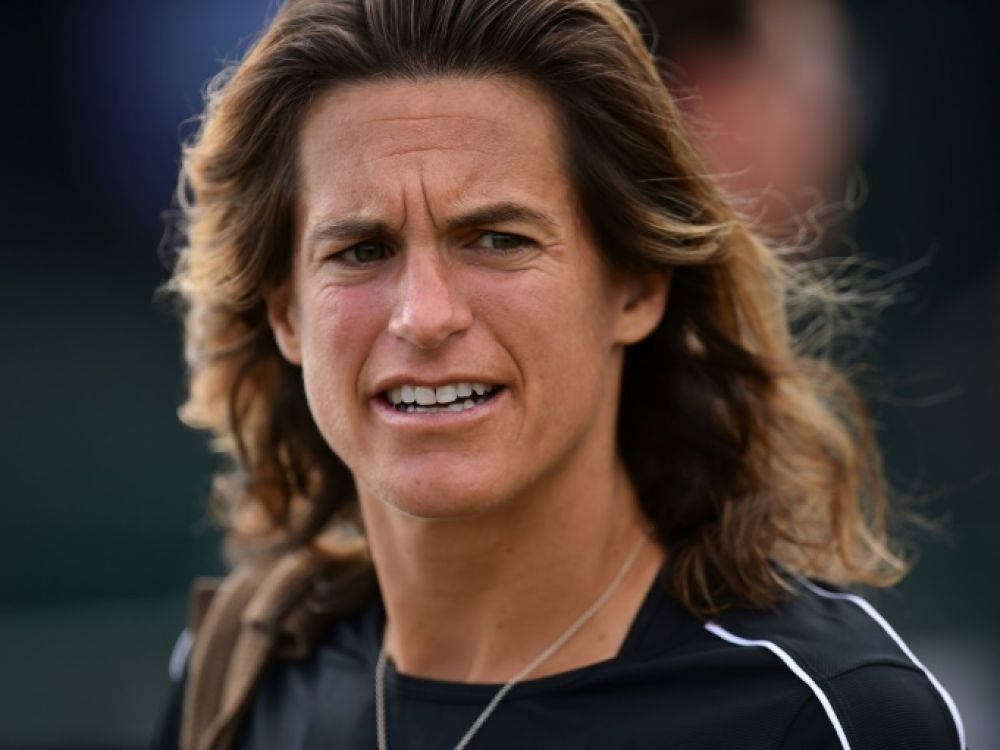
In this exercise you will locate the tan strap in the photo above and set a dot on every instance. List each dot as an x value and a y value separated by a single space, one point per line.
215 638
262 630
237 634
203 591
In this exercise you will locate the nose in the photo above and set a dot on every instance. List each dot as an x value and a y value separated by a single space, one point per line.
430 306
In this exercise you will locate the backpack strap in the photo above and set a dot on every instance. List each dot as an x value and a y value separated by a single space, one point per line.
236 633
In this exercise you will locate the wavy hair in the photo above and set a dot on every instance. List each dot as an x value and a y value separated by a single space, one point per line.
750 456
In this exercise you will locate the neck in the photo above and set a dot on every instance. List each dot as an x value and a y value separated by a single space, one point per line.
476 599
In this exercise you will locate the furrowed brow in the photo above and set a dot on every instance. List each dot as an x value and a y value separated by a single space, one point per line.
347 229
500 213
353 228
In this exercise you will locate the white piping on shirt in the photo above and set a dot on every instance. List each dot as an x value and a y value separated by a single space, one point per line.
179 655
874 614
775 649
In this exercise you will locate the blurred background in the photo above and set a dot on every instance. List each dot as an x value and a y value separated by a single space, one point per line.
807 104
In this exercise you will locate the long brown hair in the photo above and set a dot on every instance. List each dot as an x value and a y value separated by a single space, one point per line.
748 454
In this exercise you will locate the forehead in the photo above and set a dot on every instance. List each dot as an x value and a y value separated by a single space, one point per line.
460 138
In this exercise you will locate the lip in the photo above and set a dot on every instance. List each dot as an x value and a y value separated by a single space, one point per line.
423 420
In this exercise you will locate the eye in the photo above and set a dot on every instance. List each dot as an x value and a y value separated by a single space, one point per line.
502 242
363 254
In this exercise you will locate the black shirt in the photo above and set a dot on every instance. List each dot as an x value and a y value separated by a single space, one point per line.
819 672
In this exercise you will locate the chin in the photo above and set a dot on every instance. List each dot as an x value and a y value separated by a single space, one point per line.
440 496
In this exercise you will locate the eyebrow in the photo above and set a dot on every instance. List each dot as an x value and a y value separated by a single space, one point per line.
495 213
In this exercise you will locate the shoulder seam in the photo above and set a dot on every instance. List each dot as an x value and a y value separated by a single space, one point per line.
795 668
874 614
806 701
843 713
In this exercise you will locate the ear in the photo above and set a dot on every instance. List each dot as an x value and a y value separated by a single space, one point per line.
283 317
643 301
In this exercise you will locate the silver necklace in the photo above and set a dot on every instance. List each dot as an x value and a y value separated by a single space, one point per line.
380 730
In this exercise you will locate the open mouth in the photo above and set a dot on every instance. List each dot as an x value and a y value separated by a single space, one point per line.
454 397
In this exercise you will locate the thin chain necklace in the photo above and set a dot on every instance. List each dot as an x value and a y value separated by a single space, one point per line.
380 730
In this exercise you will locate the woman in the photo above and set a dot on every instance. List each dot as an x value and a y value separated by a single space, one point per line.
524 448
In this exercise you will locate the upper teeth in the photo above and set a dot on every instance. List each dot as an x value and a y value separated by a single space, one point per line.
443 394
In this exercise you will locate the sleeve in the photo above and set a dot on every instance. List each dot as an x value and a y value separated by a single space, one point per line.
879 707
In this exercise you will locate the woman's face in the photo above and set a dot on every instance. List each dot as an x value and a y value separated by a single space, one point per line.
460 340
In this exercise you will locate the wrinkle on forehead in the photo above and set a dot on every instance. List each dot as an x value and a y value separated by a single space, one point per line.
429 149
368 146
438 119
408 118
380 138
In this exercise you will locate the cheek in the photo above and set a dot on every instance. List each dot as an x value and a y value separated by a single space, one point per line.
339 329
558 329
335 323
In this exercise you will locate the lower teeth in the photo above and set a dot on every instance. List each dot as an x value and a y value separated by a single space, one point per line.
453 406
